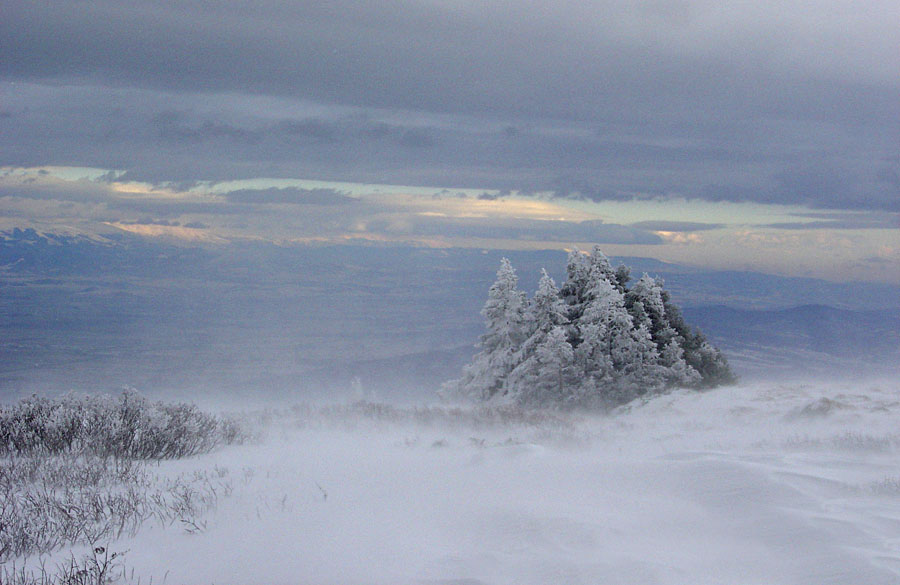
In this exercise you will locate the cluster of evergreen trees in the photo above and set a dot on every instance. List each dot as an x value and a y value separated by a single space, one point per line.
594 342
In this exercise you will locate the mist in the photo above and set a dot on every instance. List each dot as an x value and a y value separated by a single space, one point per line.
763 482
258 324
356 470
753 483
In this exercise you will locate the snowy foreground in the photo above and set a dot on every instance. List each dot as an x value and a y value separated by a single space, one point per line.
762 484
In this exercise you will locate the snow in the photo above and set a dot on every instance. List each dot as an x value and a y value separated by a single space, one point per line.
750 484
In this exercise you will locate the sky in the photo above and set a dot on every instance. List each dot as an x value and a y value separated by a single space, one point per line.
759 136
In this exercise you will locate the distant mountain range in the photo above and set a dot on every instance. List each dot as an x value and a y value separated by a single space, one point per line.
88 312
804 340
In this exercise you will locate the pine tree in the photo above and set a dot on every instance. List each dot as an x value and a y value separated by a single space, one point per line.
601 267
623 275
647 305
575 290
594 342
709 362
545 311
504 318
545 314
595 331
706 360
583 271
548 376
618 359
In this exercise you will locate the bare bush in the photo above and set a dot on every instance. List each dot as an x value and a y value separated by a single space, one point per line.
127 426
73 471
101 567
50 502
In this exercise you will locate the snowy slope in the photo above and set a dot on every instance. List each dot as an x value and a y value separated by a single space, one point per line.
761 484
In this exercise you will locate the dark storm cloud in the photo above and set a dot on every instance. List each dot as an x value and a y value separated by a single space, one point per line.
176 140
585 188
825 183
181 126
558 58
596 100
171 126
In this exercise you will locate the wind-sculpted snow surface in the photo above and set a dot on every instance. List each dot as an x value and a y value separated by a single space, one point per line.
744 485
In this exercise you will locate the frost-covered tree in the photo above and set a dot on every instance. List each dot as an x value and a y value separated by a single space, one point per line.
575 290
595 334
618 358
709 363
548 377
623 275
546 313
594 342
601 267
504 319
582 271
706 360
646 302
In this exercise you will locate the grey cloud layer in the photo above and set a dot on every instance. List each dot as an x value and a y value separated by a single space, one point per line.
518 229
561 58
294 212
594 100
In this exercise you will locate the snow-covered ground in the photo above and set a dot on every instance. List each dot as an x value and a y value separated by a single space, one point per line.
752 484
